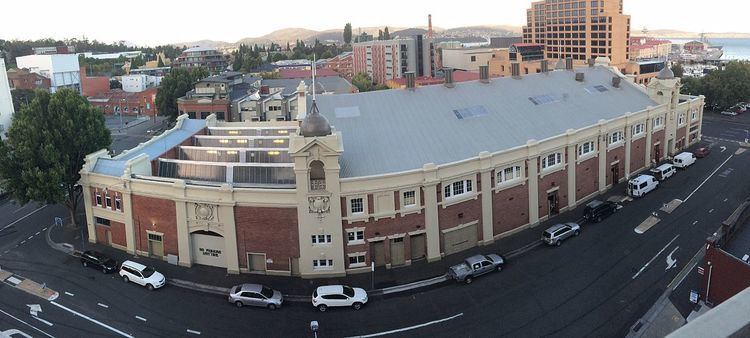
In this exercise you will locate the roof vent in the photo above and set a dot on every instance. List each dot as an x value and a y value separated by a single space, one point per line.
448 77
616 81
579 77
592 62
569 63
545 66
410 81
484 74
515 69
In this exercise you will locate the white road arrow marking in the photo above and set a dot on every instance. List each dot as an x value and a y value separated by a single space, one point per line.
671 262
34 309
723 148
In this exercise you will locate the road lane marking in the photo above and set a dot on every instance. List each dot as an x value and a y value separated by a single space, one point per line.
38 232
103 305
24 241
711 211
726 199
695 222
412 327
30 237
657 255
707 178
193 331
69 294
27 324
92 320
44 229
24 217
140 318
14 280
43 321
671 262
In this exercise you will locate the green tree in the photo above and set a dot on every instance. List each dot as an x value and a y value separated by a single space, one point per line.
21 97
363 82
722 88
348 33
178 82
386 34
47 143
678 70
115 84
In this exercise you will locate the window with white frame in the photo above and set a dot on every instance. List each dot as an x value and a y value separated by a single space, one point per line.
658 122
98 198
457 188
355 236
681 119
508 174
694 114
108 200
118 203
409 198
638 129
356 260
615 137
322 264
586 148
551 160
321 239
357 205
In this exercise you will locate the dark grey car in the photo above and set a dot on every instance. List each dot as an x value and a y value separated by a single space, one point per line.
255 295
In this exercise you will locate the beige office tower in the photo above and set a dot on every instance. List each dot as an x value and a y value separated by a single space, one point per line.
579 29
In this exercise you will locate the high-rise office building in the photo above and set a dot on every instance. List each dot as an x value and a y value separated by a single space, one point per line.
579 29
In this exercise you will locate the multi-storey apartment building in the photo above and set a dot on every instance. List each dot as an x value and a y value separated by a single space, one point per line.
581 30
62 69
210 58
342 64
361 182
387 60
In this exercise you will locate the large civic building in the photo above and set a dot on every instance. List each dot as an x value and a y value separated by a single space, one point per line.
387 177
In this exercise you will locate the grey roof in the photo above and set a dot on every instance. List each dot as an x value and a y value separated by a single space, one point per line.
161 144
335 84
398 130
198 49
665 74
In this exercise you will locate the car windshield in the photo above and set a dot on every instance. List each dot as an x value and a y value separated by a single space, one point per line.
547 234
266 292
348 291
148 271
109 261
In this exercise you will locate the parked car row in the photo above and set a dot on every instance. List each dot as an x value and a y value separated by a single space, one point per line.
736 109
129 271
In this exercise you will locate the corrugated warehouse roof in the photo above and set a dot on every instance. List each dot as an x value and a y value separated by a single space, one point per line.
153 148
398 130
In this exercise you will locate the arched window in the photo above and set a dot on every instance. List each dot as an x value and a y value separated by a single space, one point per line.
317 176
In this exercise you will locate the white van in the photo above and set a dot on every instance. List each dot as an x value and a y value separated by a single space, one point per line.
663 171
683 160
642 185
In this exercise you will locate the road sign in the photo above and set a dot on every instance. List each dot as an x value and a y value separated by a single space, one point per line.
701 270
693 296
58 221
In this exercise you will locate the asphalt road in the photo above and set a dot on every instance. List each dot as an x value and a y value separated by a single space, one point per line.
597 284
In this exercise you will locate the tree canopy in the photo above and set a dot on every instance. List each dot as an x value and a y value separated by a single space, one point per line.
173 86
722 88
47 143
348 33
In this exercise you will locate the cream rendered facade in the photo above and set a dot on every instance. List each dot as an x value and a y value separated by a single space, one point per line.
325 209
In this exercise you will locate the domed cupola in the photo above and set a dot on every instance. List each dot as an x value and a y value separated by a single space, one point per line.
315 124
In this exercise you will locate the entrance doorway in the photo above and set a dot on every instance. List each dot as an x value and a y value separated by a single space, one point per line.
615 168
418 246
256 262
397 251
378 252
155 245
553 203
657 153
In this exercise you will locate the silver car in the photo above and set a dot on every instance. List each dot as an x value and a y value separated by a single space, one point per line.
559 232
255 295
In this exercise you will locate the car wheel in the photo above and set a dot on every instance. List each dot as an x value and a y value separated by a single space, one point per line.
85 263
125 279
557 243
468 280
104 270
272 307
499 268
598 219
322 307
238 303
576 233
150 287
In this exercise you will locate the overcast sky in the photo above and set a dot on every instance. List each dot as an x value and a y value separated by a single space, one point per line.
155 22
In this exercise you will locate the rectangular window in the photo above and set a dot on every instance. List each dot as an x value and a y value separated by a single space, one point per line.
321 239
154 237
98 199
357 205
681 119
638 129
118 203
109 201
615 137
586 148
102 221
458 188
658 122
551 160
357 260
410 198
508 174
322 264
694 114
356 236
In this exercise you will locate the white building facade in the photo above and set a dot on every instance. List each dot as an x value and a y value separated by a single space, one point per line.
62 69
139 82
6 101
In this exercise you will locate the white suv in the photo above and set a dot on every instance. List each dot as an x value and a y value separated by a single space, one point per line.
140 274
338 295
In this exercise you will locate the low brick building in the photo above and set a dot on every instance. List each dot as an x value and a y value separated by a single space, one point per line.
114 101
387 177
93 85
23 79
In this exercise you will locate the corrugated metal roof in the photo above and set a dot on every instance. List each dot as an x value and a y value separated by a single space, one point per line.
399 130
116 165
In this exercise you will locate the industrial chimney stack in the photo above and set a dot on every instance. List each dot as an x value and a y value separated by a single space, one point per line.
429 26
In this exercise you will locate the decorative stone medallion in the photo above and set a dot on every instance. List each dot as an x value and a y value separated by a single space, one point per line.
319 205
204 211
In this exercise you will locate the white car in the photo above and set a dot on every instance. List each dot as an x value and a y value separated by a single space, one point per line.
338 295
142 275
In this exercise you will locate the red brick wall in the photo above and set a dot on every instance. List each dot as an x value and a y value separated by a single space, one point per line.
658 137
556 179
272 231
101 233
510 208
729 275
617 154
94 85
682 134
461 213
118 233
216 105
637 154
157 215
587 177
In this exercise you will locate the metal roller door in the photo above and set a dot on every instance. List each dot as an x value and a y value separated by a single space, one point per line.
460 239
397 251
378 253
418 246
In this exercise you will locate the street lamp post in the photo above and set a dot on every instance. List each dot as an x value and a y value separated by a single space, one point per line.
122 101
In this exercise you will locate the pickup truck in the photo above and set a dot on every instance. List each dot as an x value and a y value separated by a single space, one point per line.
475 266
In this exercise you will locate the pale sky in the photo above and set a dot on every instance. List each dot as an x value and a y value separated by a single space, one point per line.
155 22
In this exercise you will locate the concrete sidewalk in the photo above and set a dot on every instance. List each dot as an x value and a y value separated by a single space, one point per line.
27 285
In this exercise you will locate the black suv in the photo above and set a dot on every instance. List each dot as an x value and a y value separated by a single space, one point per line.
597 210
99 261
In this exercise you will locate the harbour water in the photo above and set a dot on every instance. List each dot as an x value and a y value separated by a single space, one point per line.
734 49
